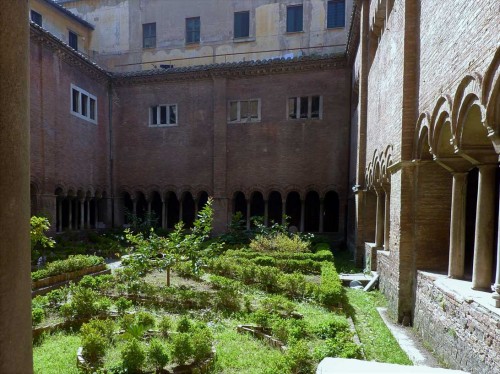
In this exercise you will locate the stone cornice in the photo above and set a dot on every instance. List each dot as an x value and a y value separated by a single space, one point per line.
232 70
68 54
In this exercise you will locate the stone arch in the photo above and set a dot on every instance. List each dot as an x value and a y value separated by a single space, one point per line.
187 208
275 201
491 99
257 204
312 211
422 149
293 188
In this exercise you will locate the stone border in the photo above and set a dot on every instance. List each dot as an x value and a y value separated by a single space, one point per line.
262 333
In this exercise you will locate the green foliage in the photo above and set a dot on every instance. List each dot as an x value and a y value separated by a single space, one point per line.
96 337
146 319
84 303
122 305
201 341
293 285
279 242
288 330
331 291
298 358
72 263
237 232
182 348
157 354
341 345
133 356
184 324
37 316
39 226
165 325
278 305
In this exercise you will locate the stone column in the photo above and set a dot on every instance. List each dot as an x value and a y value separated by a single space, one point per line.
96 212
496 287
164 214
283 211
457 226
483 240
302 214
82 214
248 214
379 228
59 203
387 216
266 213
181 210
15 280
70 213
88 212
321 215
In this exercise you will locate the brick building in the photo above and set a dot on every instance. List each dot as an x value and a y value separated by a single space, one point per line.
374 120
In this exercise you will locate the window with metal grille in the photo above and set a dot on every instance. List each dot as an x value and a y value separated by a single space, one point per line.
192 30
149 35
83 104
305 107
294 17
244 111
241 24
335 14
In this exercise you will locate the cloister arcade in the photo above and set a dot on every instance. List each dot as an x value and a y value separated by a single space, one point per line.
308 211
455 182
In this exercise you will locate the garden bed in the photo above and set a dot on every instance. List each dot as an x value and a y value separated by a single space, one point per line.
263 333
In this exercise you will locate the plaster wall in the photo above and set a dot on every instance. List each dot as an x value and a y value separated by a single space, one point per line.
217 42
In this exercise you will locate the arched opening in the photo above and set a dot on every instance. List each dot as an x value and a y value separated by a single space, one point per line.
128 208
275 208
240 204
312 211
331 215
293 209
188 209
172 210
257 205
156 209
202 200
141 206
59 209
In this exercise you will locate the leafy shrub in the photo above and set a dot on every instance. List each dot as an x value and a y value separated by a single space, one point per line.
278 304
127 320
293 285
340 346
288 330
105 328
94 347
184 324
331 291
157 354
279 242
72 263
145 319
165 325
265 261
228 299
331 327
261 318
37 316
321 247
218 282
299 359
133 355
185 270
201 341
182 348
84 303
39 226
122 305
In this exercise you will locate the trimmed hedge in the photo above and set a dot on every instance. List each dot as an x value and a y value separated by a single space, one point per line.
322 255
72 263
331 291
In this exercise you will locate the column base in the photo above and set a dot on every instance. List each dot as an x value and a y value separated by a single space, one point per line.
496 299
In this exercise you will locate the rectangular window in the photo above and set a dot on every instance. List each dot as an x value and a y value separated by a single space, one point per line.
36 17
163 115
294 18
335 14
192 30
149 35
305 107
83 104
241 24
244 111
73 40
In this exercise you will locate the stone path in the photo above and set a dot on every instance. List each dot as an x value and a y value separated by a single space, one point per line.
350 366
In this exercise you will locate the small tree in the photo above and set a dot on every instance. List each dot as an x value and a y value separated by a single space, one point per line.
39 226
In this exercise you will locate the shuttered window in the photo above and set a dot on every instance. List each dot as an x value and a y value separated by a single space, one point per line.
336 14
294 18
241 24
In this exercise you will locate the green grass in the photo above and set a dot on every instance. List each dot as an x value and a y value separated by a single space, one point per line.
378 342
241 353
56 354
344 262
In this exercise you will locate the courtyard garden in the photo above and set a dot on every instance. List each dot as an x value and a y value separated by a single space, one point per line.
265 301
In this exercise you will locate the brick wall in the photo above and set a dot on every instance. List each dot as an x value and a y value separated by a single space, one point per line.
66 151
462 332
